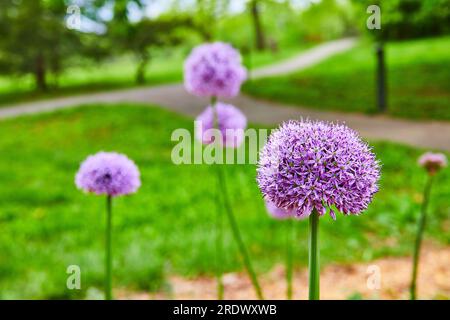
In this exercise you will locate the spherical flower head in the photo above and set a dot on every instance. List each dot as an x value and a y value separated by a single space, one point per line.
230 121
108 173
308 165
214 70
433 162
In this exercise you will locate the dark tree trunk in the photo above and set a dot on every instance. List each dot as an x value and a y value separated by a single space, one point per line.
39 73
206 34
140 72
55 70
381 78
260 41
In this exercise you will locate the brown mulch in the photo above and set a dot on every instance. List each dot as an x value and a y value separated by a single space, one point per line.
337 281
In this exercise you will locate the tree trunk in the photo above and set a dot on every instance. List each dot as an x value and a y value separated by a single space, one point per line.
206 20
140 72
260 42
39 73
206 33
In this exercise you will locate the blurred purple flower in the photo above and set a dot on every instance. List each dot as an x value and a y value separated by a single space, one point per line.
108 173
308 165
214 70
231 123
433 162
276 212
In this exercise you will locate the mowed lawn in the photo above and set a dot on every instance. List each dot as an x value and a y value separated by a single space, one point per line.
418 81
168 226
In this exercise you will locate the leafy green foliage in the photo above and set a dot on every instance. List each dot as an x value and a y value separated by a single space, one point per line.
327 19
35 40
148 34
406 19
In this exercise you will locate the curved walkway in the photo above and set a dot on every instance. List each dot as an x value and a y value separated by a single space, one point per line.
305 59
425 134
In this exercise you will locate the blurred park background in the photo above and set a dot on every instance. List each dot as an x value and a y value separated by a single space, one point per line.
53 49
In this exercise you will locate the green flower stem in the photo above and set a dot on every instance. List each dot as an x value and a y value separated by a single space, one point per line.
108 261
314 268
219 240
219 224
420 230
213 105
290 238
238 237
234 227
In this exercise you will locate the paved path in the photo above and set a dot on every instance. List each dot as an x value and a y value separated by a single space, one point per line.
305 59
426 134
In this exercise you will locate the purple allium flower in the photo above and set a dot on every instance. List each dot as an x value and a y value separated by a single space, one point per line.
231 123
308 165
108 173
214 70
433 162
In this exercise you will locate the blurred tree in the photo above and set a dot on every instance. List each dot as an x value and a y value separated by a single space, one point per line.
327 19
405 19
205 19
284 11
36 40
141 37
148 34
279 21
260 38
207 14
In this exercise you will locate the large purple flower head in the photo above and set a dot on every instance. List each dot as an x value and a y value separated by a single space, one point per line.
308 165
230 121
433 162
108 173
214 70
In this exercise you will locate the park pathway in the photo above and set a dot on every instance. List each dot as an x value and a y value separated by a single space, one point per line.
426 134
305 59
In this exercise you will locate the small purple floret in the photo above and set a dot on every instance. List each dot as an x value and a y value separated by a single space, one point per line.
433 162
108 173
231 123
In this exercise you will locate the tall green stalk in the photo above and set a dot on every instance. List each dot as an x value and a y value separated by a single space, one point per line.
108 260
219 221
420 230
238 237
290 238
314 268
219 240
236 233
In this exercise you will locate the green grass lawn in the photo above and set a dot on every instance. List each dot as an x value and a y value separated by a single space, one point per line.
168 226
165 67
418 80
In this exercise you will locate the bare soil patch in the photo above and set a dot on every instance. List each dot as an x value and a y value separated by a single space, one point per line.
337 281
